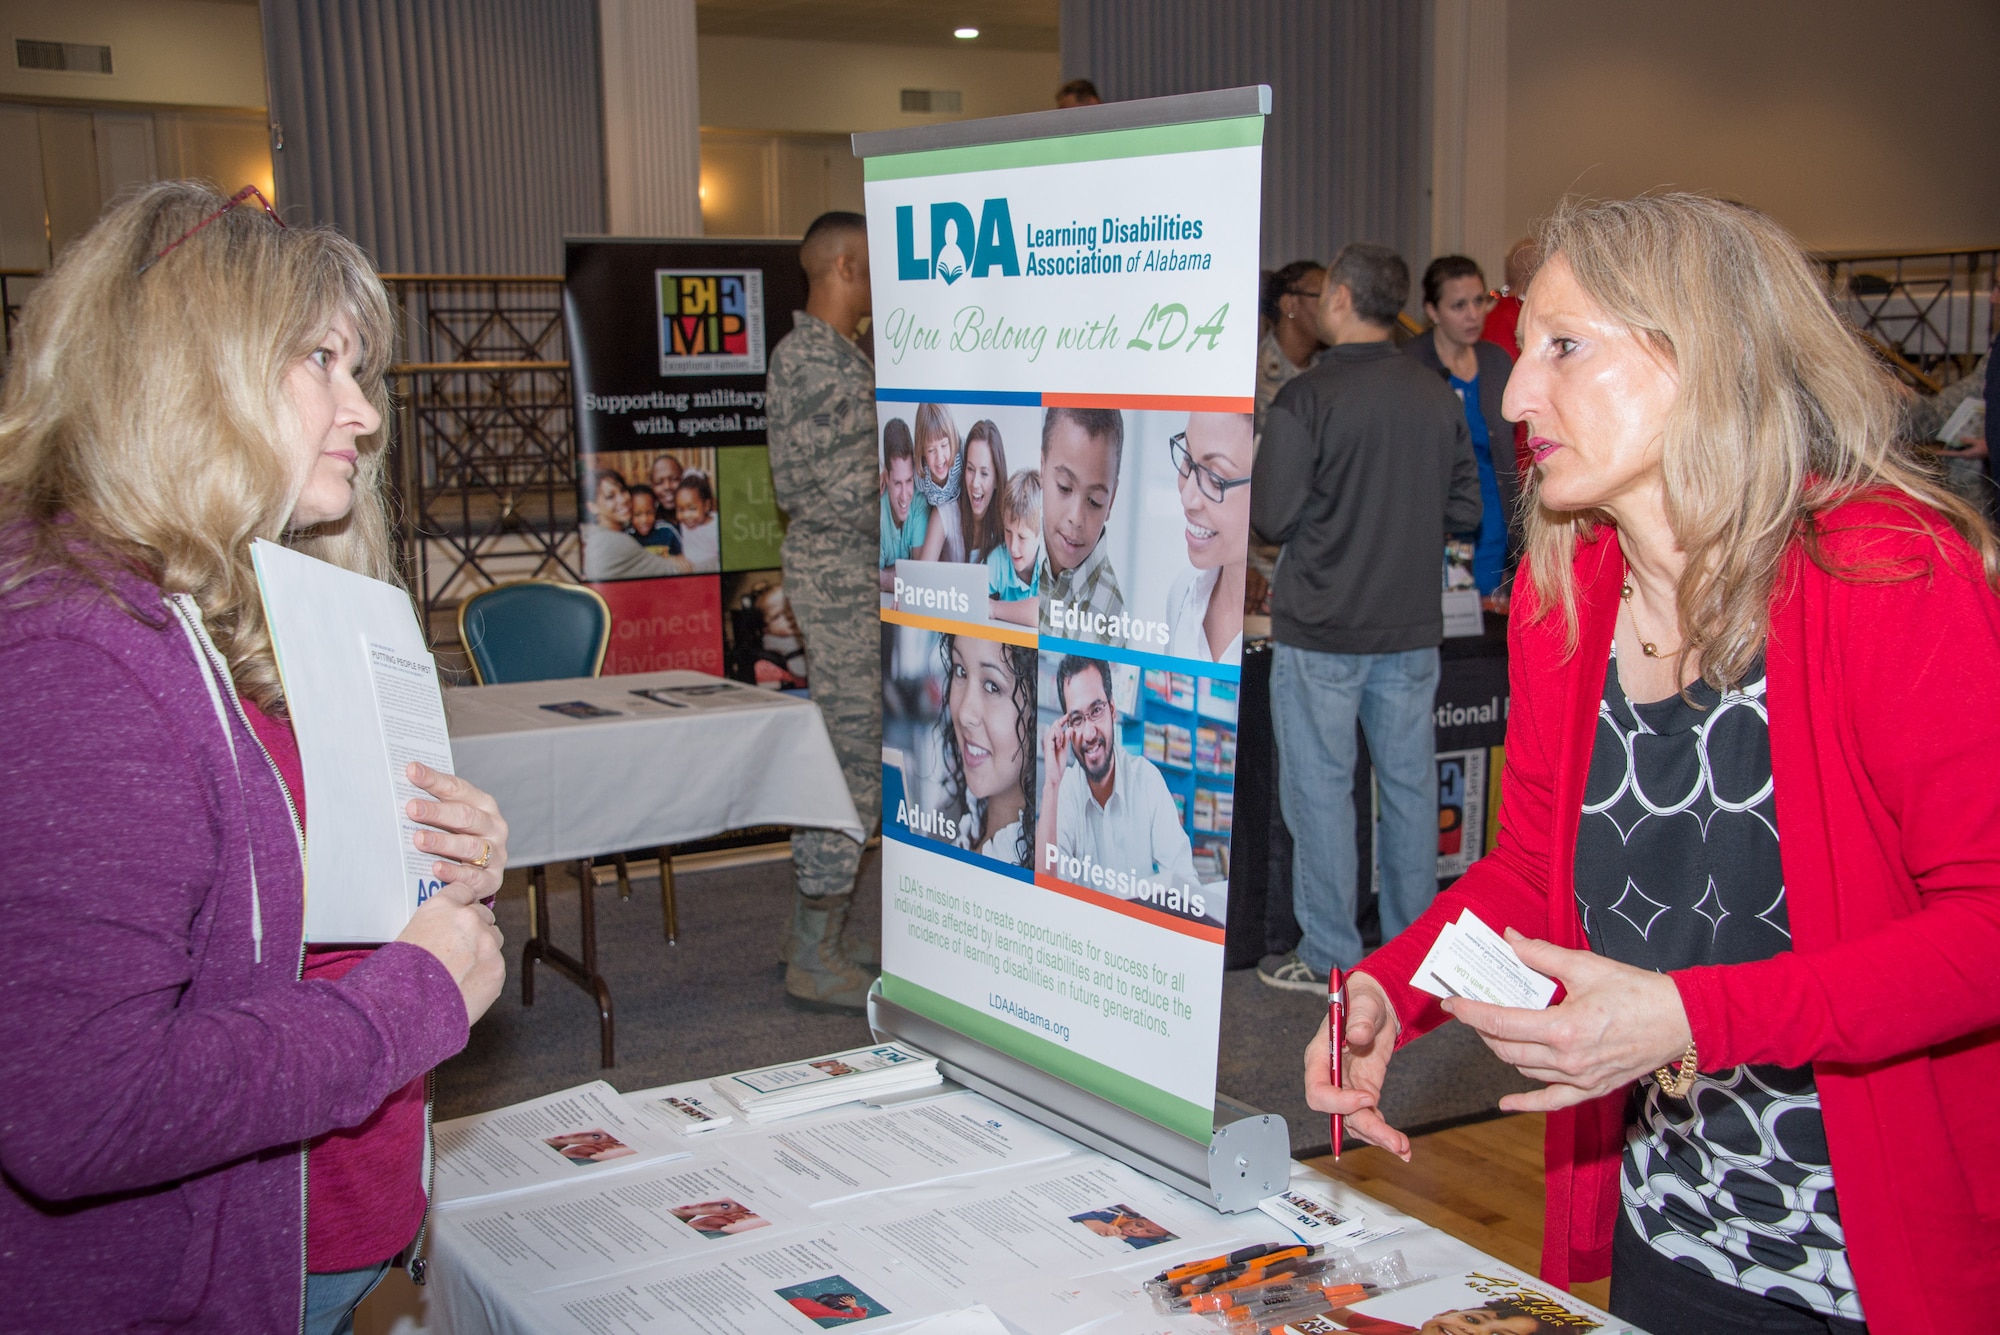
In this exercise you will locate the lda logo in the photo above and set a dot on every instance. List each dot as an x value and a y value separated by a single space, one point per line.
952 240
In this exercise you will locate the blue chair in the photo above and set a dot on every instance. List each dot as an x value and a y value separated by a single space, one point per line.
534 630
540 630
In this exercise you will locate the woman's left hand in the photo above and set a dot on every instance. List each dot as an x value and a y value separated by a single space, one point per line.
1616 1024
467 834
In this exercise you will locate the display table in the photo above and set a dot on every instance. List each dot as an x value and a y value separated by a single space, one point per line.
615 768
920 1208
649 774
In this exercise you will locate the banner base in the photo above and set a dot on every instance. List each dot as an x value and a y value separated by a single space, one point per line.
1247 1159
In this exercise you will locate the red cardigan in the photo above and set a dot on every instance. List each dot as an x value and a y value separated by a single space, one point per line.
1885 751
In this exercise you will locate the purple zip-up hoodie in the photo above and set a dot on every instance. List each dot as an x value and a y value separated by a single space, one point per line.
161 1064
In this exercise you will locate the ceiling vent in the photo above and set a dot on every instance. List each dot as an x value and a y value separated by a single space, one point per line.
933 100
72 57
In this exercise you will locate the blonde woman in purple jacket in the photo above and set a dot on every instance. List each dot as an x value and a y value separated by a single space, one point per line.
191 376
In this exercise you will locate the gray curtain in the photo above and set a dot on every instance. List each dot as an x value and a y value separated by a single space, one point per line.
1346 148
446 136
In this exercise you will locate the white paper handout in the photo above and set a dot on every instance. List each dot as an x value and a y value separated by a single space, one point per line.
828 1280
866 1151
977 1319
410 710
362 693
561 1137
1322 1221
593 1230
791 1088
684 1114
1470 959
1066 1220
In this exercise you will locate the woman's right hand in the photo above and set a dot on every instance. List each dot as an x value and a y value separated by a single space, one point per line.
1371 1040
462 932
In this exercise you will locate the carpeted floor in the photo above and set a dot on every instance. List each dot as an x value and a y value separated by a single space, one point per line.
714 1003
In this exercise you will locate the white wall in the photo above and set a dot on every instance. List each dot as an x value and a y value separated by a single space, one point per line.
165 52
1856 123
755 83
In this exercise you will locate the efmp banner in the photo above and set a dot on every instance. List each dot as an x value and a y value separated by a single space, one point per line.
1065 339
668 342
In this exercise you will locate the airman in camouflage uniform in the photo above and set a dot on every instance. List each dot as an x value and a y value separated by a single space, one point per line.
821 399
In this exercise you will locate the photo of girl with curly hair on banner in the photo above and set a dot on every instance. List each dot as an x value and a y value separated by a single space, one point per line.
961 715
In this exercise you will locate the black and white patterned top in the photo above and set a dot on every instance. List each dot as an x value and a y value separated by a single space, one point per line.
1676 866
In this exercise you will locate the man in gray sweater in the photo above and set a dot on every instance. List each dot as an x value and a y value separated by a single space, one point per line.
1365 466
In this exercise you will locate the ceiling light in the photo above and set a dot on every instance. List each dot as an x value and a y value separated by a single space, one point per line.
965 34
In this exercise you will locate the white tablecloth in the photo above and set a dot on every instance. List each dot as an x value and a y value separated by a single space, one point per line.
651 774
469 1293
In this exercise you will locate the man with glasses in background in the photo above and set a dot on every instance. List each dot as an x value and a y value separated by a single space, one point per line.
1366 464
1114 826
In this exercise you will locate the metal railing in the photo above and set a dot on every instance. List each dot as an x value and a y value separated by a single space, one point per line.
1928 312
15 285
482 451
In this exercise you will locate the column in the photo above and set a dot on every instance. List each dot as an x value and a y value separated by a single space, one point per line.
652 117
1469 132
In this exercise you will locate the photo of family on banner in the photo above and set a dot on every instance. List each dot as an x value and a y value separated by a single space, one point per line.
1079 727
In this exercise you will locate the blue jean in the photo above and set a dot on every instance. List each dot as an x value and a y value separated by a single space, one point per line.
332 1298
1316 699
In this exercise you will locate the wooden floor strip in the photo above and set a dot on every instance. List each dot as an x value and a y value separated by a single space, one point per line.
1480 1183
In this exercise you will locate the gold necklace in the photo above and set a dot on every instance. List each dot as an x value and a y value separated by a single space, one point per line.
1646 647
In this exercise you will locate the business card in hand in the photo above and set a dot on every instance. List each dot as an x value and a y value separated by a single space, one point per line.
1470 959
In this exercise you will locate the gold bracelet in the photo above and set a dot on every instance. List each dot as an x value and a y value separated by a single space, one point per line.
1676 1083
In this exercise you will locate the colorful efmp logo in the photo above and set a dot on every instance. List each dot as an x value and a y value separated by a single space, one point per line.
711 321
958 248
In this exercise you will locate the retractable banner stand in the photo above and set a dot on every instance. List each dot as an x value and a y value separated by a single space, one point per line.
668 342
1065 310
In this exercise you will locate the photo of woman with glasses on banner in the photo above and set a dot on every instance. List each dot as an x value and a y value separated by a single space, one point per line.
1205 606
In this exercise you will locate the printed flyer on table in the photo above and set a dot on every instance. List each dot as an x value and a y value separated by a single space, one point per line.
1065 359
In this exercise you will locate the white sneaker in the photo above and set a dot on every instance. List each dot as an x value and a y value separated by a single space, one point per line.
1290 973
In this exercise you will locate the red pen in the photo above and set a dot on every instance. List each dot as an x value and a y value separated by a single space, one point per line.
1336 1030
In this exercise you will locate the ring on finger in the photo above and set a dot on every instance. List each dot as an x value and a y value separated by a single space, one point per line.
485 854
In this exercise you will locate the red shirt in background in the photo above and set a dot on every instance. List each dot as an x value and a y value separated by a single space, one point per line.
364 1185
1501 323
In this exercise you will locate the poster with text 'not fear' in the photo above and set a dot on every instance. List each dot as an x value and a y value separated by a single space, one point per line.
1065 341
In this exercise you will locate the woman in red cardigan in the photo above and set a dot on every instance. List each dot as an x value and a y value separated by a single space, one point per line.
1749 818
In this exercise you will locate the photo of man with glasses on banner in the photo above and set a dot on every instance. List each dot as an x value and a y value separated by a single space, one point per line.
1106 818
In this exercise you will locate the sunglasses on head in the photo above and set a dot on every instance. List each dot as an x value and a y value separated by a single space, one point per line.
242 196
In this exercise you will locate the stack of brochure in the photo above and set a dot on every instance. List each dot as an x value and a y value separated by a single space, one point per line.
771 1092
